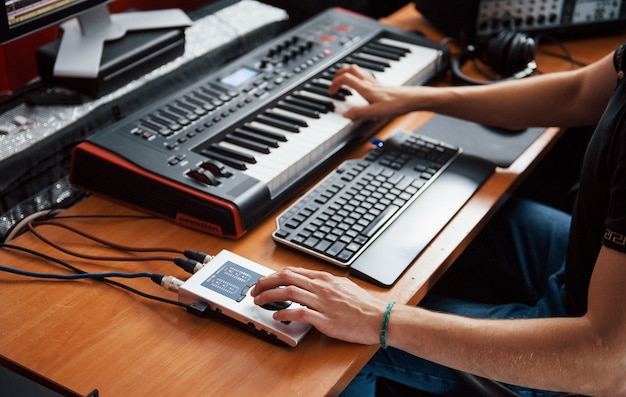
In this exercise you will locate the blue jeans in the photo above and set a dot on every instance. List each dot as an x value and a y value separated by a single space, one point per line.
514 269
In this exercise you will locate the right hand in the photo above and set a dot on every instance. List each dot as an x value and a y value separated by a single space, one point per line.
384 101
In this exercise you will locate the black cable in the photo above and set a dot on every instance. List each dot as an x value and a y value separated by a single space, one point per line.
74 276
75 269
567 55
194 255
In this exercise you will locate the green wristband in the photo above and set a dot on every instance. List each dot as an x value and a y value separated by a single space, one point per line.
383 330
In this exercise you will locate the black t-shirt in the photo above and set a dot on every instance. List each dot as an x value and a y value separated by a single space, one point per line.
599 215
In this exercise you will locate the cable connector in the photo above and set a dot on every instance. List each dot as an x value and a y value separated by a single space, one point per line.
170 283
188 265
198 256
200 309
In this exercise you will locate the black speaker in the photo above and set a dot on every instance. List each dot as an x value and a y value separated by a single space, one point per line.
510 54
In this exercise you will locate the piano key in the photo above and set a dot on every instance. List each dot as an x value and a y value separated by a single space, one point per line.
264 165
235 153
379 52
298 109
295 150
325 83
266 119
247 143
340 107
236 164
254 136
385 63
329 121
304 102
410 68
295 119
402 51
322 91
303 149
367 64
306 124
269 167
261 129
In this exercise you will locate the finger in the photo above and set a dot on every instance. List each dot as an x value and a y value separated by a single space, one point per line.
347 80
288 293
301 314
287 276
355 70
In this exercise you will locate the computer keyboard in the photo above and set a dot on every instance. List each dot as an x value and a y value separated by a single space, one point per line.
340 217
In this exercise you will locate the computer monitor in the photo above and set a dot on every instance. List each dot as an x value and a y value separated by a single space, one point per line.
80 50
21 17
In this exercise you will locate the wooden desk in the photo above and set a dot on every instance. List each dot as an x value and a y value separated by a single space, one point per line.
87 335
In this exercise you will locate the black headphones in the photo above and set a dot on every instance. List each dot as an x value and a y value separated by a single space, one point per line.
509 53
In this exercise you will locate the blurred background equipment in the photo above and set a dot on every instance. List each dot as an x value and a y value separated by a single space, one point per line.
465 20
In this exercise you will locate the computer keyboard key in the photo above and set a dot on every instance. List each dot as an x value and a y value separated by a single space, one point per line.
351 208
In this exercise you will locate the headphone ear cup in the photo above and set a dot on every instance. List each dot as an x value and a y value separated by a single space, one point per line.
495 51
508 54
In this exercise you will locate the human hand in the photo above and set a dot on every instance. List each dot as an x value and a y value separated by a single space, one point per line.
334 305
383 101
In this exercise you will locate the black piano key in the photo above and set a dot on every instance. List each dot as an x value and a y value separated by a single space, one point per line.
383 63
288 119
303 102
256 137
342 92
235 163
270 134
392 48
320 90
329 74
329 105
381 53
233 153
298 109
283 125
246 143
366 63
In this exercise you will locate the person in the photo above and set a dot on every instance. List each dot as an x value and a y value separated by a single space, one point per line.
552 317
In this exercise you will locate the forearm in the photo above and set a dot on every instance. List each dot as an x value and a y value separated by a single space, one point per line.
562 354
573 98
558 99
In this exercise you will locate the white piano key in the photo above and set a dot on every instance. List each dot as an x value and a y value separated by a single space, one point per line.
314 142
409 68
301 149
